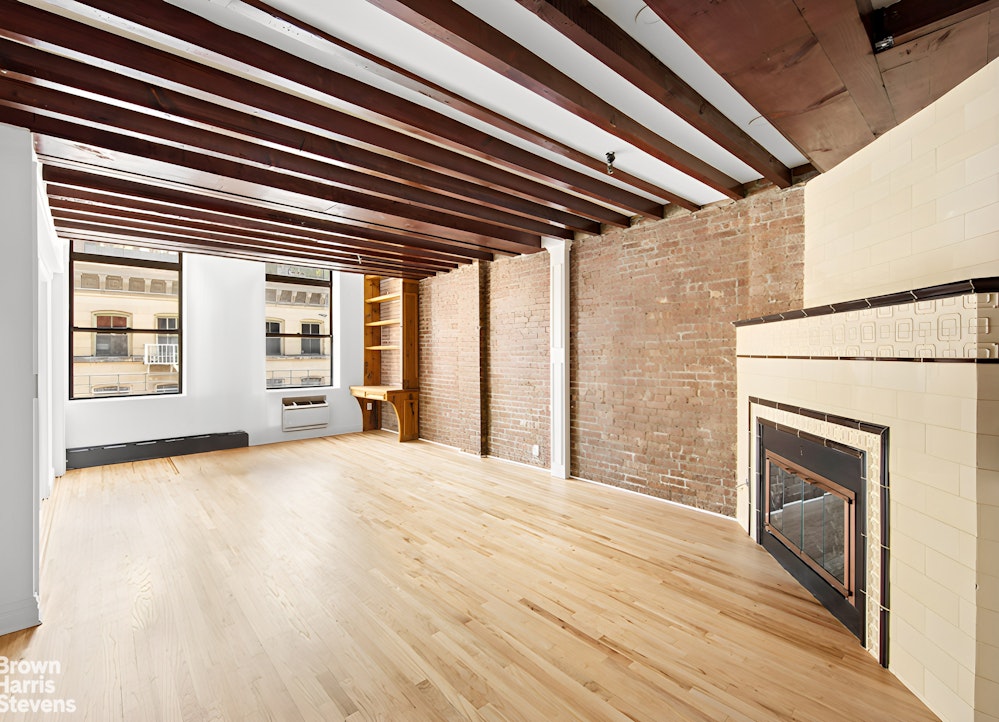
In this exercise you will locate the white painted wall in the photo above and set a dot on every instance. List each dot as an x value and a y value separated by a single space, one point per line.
224 386
19 489
918 207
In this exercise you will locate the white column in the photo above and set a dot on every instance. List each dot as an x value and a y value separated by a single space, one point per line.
50 337
558 253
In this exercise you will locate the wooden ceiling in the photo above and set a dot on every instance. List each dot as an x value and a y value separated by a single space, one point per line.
159 127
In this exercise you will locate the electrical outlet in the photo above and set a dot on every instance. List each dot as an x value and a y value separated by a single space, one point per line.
536 451
369 405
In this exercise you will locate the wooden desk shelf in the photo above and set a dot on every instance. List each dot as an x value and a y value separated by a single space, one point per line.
402 394
405 402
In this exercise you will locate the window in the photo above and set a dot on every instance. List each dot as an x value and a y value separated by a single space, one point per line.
167 323
110 343
311 346
124 344
273 342
298 332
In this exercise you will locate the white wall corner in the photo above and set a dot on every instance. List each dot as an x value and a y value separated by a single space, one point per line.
19 488
16 616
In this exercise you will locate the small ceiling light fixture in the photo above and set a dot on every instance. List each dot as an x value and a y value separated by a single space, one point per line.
610 162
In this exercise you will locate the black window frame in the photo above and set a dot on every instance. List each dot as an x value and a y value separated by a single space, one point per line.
114 260
327 286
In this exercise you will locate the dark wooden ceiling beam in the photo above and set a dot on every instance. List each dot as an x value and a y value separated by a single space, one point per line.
23 62
348 204
844 39
113 224
461 30
602 38
767 52
94 47
117 128
76 210
235 52
73 234
127 230
71 180
907 20
382 68
91 201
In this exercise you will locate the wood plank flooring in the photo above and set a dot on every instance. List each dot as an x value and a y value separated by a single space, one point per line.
355 578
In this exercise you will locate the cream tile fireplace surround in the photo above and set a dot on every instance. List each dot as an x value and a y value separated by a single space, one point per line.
900 333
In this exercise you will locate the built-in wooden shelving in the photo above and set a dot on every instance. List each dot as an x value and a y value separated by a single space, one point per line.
404 397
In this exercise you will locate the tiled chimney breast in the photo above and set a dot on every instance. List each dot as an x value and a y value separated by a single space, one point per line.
926 370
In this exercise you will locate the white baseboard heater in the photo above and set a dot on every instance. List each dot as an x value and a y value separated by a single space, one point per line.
304 412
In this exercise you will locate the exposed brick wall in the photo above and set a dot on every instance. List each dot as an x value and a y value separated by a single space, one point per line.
517 377
653 350
775 230
451 358
652 346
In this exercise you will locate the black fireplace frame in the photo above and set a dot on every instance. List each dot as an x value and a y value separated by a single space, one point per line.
883 433
846 467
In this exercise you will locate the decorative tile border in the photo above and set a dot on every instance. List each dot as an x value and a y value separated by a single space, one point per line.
852 436
961 328
945 290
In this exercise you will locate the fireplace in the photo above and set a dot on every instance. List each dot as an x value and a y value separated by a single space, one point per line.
905 379
812 518
819 502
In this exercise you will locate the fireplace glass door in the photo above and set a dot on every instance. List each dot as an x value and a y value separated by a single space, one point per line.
813 517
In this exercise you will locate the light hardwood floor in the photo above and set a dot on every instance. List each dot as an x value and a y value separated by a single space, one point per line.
312 580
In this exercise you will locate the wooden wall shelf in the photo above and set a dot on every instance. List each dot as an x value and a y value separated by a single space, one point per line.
404 396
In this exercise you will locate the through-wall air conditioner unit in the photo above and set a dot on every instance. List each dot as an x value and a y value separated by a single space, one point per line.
304 412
